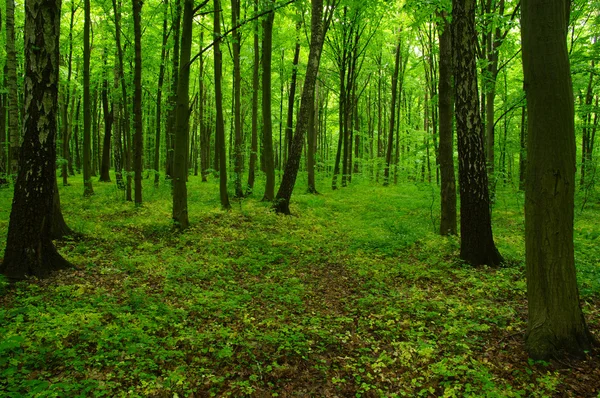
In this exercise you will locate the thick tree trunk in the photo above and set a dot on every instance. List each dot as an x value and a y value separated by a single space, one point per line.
446 149
161 79
267 49
555 324
138 141
255 88
87 116
220 124
180 207
13 96
29 249
477 243
317 37
523 150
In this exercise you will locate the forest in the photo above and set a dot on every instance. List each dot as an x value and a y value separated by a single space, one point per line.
328 198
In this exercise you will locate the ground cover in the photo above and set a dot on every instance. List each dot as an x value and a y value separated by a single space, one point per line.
354 295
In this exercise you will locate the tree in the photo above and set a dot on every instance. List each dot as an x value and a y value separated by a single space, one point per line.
11 80
161 78
107 111
555 324
87 116
180 207
477 245
237 100
255 88
318 28
267 49
29 249
446 150
138 143
388 156
220 124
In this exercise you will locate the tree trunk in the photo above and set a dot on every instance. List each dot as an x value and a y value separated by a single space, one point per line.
3 141
161 79
446 149
255 88
138 142
317 37
311 146
388 156
67 93
289 126
555 324
477 243
220 124
180 206
237 101
29 249
59 229
108 121
87 121
523 150
267 49
172 102
13 96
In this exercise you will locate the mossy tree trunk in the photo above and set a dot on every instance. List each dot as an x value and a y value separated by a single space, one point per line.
477 245
29 248
555 324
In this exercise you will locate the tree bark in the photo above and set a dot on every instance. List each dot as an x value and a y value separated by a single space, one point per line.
477 243
170 134
237 100
87 116
388 156
555 322
267 48
138 142
13 96
255 88
446 149
317 37
180 207
29 249
161 79
220 124
108 121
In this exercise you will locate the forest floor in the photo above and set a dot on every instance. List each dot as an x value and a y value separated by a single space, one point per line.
354 295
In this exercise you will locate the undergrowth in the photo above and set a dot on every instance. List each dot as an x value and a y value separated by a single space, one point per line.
354 295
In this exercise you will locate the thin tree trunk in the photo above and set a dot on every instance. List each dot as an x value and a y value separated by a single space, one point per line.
237 100
13 96
87 122
220 124
138 142
318 31
255 88
388 156
267 49
161 79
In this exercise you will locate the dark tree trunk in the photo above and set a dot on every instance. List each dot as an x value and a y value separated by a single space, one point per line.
311 147
29 248
59 229
108 121
220 124
180 207
13 96
446 149
477 243
87 121
317 37
161 79
267 48
255 88
523 149
555 324
3 140
138 141
289 126
66 136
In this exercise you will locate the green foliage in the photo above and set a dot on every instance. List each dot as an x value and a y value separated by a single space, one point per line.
354 296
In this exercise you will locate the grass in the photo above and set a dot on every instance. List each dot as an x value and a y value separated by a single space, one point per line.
354 295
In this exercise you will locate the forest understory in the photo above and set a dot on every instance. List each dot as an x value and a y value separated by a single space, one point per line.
354 295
